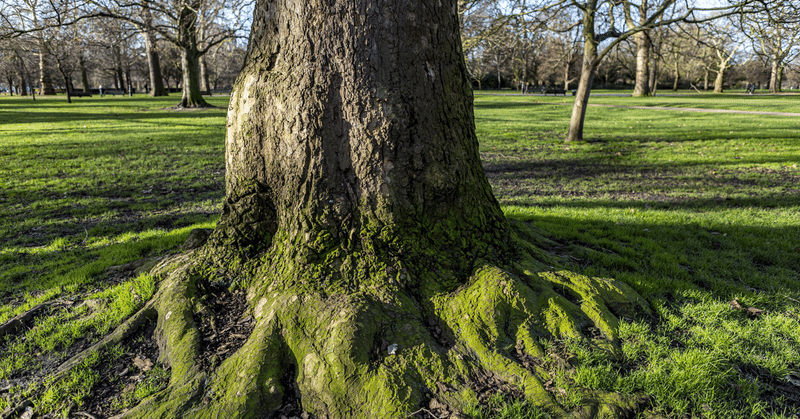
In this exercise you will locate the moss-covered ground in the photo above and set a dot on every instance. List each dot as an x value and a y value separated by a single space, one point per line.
692 210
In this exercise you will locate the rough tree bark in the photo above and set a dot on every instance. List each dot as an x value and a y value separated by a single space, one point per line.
191 97
153 65
357 216
642 84
84 75
776 74
45 80
590 62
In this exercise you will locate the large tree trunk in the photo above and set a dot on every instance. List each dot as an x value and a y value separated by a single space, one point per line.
642 85
84 75
590 61
192 97
775 76
723 65
153 65
379 268
45 80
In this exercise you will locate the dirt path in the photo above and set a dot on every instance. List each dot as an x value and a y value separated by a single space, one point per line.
658 108
664 108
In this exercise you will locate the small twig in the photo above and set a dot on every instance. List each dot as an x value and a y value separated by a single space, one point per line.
14 411
84 414
15 323
426 411
790 298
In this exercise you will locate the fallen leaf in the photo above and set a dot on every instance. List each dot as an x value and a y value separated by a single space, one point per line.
143 364
794 378
754 312
735 304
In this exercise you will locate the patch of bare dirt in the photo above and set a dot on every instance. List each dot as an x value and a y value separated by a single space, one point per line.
114 391
223 325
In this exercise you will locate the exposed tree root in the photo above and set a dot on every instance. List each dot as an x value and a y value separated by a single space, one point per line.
18 321
364 354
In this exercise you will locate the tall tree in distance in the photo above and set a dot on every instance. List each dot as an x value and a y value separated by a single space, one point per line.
606 24
776 38
153 64
380 270
636 15
193 26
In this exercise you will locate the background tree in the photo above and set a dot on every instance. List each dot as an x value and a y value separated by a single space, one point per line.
725 43
601 34
193 26
776 38
156 84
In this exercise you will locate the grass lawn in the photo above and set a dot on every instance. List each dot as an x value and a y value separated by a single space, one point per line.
694 210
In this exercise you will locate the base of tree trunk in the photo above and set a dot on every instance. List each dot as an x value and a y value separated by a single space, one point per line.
180 107
348 351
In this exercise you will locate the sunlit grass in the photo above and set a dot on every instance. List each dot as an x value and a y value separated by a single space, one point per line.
693 210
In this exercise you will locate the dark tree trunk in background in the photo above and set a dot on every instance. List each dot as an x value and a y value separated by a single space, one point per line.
153 64
192 97
45 81
23 84
154 68
590 62
205 84
84 76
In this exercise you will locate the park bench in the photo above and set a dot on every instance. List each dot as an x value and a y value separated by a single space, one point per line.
80 94
114 92
555 92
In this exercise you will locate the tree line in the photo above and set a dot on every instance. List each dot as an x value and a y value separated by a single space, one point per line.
649 44
191 46
197 46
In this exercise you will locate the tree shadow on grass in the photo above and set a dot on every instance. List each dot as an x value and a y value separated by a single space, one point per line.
61 116
533 179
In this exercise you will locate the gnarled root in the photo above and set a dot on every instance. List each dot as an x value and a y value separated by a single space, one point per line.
366 355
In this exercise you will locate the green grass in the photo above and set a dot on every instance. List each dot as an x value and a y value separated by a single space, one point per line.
84 189
691 209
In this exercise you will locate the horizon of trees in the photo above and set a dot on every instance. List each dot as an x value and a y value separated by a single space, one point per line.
505 43
79 46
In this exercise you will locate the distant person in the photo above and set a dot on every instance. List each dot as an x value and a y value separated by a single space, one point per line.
751 88
101 90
